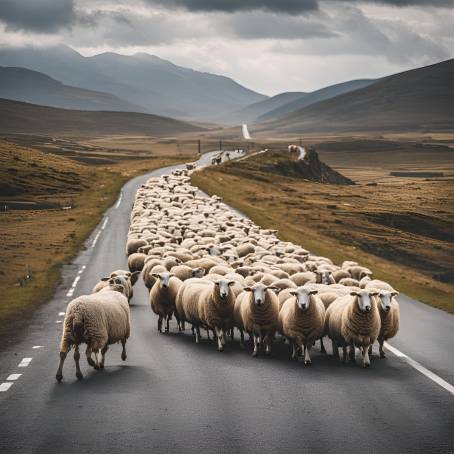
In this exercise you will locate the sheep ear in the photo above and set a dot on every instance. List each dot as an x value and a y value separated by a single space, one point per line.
216 282
374 294
171 274
156 275
354 293
247 289
294 292
230 283
105 279
313 292
394 293
276 289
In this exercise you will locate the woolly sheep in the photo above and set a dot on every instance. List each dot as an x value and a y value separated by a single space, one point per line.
256 312
162 297
349 282
99 320
302 321
184 272
353 320
358 272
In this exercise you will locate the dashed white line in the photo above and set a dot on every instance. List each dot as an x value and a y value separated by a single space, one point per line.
59 321
119 200
25 362
35 347
96 239
5 386
420 368
13 377
60 314
104 223
73 287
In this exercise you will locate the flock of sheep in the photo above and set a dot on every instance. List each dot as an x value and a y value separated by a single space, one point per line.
209 267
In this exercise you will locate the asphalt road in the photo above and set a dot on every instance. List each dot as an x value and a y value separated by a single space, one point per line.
172 395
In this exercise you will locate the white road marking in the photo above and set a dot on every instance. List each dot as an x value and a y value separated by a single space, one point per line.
104 223
246 134
119 200
25 362
14 377
59 321
61 314
96 239
37 346
5 386
73 287
420 368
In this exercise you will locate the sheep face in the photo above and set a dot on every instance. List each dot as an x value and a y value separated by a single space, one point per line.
259 292
303 297
118 284
364 299
164 279
385 297
222 286
324 277
198 272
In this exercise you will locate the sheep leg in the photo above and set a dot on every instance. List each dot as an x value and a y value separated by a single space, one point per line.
103 356
322 346
256 345
59 374
193 330
344 354
160 324
197 335
123 352
352 353
370 350
268 341
382 352
76 360
231 333
365 353
307 358
335 349
219 338
208 334
294 350
90 361
169 317
241 338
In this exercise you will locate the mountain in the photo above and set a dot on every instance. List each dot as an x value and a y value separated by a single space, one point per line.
314 97
22 84
417 100
146 80
250 113
20 117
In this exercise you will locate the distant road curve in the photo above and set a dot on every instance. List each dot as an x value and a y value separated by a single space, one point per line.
246 134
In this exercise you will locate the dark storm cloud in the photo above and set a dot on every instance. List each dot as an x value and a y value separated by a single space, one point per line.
42 16
230 6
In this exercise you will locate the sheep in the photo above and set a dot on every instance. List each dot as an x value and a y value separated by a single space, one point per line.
389 311
353 320
348 263
221 269
340 274
215 304
136 261
129 280
133 244
162 297
282 284
186 304
184 272
302 321
324 277
99 320
349 282
358 272
244 249
302 278
256 312
148 275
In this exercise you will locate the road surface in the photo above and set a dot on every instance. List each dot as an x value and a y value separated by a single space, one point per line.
174 396
246 134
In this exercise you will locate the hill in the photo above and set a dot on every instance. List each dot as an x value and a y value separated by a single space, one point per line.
250 113
146 80
314 97
20 117
21 84
417 100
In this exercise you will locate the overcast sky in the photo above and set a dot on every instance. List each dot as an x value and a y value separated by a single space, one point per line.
268 45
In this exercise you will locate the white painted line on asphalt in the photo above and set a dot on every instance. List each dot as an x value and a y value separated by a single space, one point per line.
60 314
104 223
119 200
96 239
25 362
59 321
14 377
37 346
5 386
73 287
420 368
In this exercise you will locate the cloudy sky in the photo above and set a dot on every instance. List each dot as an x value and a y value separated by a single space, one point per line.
268 45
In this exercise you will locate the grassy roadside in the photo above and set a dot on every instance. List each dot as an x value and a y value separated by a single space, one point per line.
43 239
276 203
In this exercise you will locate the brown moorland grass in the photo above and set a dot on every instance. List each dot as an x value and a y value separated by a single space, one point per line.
44 238
402 229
